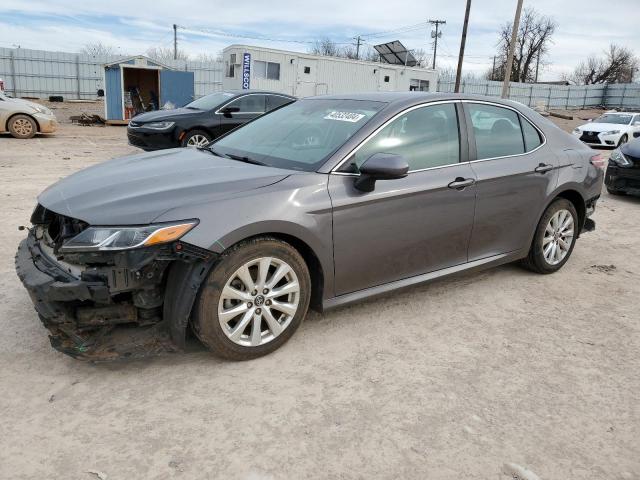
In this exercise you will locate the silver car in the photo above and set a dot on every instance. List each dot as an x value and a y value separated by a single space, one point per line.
320 203
23 119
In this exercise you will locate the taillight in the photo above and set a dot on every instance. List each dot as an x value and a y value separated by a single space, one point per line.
598 161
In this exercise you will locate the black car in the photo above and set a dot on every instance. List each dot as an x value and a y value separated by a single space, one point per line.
623 171
202 120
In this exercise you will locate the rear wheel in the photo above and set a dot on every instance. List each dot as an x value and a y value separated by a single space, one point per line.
22 126
254 300
614 192
196 139
554 239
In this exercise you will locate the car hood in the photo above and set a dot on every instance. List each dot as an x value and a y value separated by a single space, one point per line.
19 102
602 127
159 115
139 188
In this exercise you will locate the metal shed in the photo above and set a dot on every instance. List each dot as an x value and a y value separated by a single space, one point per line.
137 84
305 75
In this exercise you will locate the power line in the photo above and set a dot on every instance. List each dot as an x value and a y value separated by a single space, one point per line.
404 29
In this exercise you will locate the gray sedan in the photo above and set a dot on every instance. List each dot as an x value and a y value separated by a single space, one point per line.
320 203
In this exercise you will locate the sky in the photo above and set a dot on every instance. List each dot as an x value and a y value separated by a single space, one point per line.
584 26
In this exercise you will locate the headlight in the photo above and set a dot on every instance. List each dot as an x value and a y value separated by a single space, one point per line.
41 109
611 132
158 125
618 158
125 238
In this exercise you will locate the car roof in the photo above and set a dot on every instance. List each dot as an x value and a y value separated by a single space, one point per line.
404 99
264 92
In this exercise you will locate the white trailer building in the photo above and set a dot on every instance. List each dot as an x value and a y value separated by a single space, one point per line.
304 75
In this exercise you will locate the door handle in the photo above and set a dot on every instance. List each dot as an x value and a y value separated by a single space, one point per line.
460 183
543 168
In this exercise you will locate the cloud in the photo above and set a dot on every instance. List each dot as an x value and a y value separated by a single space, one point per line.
67 25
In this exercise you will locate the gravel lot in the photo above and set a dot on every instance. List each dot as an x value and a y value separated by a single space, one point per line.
474 377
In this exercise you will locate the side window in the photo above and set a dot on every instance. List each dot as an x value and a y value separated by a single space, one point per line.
250 104
426 137
275 101
497 131
532 138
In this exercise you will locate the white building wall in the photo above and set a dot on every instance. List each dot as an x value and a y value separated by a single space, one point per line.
327 75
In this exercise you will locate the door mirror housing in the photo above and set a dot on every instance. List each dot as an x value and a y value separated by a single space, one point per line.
227 111
381 166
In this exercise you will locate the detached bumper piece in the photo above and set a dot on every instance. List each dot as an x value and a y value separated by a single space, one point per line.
111 312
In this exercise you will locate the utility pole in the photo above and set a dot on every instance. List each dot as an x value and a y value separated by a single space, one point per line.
463 42
537 65
493 69
175 41
512 47
435 35
358 41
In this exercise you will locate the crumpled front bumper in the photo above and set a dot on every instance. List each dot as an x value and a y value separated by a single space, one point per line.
61 301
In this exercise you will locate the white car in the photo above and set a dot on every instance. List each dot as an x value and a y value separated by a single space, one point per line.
610 129
23 119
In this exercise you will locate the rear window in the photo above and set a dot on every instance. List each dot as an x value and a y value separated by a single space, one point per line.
497 131
531 135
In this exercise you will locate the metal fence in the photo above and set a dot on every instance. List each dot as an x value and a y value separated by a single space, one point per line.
39 73
625 95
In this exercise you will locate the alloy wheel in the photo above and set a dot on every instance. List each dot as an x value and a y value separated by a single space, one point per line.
197 141
23 127
259 301
558 237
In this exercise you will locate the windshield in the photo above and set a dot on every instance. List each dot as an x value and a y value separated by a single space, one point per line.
614 118
299 136
209 102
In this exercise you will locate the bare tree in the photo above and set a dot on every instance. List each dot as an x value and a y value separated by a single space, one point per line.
163 54
98 49
325 47
532 44
208 57
618 65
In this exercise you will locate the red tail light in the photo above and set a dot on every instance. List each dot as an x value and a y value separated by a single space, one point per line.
598 161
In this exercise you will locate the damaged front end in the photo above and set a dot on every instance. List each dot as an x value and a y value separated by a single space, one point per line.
125 295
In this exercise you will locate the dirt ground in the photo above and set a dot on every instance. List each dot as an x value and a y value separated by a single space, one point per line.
494 375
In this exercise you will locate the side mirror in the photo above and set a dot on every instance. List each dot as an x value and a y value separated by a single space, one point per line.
381 166
227 111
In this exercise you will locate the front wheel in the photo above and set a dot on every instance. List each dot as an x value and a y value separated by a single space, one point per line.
196 139
22 126
554 239
254 299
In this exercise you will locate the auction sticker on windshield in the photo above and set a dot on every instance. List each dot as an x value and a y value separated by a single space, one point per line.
344 116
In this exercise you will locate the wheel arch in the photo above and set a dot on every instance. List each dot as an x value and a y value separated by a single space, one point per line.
6 126
578 202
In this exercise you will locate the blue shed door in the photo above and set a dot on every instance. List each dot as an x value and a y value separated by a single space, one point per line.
176 87
113 93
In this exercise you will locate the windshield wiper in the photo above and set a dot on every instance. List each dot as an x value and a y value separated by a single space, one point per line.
240 158
245 159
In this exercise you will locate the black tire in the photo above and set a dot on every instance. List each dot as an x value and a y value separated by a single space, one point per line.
535 260
614 192
194 134
623 139
205 322
22 126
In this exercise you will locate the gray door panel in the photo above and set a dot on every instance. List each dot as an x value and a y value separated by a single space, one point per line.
403 228
509 191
